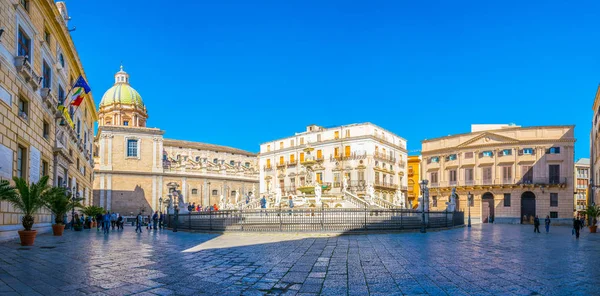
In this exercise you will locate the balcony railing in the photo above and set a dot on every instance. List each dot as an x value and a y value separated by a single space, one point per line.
291 164
386 184
267 168
26 70
384 157
357 185
352 156
280 165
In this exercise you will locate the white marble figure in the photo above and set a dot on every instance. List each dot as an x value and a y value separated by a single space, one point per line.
345 184
229 206
402 200
451 206
370 194
397 198
277 197
221 201
237 196
253 189
318 194
304 199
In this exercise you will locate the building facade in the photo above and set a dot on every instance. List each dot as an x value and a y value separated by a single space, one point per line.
137 169
594 190
512 172
414 177
362 154
38 65
582 181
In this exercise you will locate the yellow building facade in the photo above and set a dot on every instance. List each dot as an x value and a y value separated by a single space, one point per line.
582 181
414 177
137 169
38 65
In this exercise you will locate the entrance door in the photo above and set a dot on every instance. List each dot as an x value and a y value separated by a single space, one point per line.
527 207
487 208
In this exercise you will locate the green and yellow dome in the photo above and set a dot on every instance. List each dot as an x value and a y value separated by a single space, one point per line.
122 92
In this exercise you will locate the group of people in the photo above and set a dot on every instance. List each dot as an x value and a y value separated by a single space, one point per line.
155 221
198 208
109 220
578 224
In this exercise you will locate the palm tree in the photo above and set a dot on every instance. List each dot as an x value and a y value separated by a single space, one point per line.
92 211
59 203
26 198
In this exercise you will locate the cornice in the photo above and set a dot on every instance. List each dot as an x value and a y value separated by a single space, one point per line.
179 174
455 149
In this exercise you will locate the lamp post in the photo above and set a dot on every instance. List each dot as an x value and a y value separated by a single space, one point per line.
160 201
423 184
469 201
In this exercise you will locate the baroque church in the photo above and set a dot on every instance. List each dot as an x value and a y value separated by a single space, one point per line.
137 169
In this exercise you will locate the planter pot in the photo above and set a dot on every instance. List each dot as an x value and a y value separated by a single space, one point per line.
93 225
57 229
593 229
27 237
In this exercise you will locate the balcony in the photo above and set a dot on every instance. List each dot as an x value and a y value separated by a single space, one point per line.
357 185
352 156
579 186
384 157
543 181
25 69
403 188
386 185
267 168
49 99
280 165
292 164
469 183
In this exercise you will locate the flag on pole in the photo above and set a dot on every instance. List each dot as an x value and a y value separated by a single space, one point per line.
80 88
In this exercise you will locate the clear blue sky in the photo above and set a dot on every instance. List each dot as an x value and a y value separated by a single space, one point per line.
240 73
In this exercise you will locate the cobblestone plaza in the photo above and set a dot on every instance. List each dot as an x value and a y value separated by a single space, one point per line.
484 260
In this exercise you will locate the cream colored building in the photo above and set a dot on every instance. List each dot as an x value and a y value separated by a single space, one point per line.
513 172
38 65
582 181
362 153
595 151
136 167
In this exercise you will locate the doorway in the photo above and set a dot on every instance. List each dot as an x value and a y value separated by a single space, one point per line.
527 207
487 208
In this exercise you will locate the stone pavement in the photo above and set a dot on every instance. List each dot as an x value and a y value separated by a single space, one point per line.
484 260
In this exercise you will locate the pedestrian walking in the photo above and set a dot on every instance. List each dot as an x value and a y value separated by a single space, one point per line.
547 222
161 218
99 222
291 203
576 226
148 225
120 222
536 224
155 219
113 220
106 220
263 205
139 220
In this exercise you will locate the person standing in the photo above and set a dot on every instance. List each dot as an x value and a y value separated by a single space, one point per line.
576 226
106 220
99 222
139 220
263 205
148 226
161 218
155 219
536 224
547 222
120 222
113 220
291 203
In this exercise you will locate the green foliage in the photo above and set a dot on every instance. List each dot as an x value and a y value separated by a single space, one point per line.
26 198
59 203
92 211
593 212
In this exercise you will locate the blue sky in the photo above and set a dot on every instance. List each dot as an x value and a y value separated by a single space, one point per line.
240 73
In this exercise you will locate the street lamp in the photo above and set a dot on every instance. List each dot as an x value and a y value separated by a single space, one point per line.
423 184
469 201
160 201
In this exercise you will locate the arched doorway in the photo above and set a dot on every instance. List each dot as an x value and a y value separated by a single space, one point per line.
527 207
487 208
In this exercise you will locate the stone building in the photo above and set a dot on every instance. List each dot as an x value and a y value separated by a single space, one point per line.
414 177
594 191
38 66
136 168
513 172
582 181
364 154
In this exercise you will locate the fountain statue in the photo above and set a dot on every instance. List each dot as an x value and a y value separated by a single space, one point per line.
237 196
370 194
318 194
221 202
277 196
451 206
345 184
253 189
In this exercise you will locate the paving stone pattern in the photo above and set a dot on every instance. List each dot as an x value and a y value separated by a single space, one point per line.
484 260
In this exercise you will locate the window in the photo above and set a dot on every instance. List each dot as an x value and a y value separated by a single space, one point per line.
268 163
434 177
451 157
336 179
291 143
61 60
301 141
281 145
24 46
292 158
361 175
301 156
452 177
553 214
553 150
132 148
215 192
347 151
319 138
47 74
487 154
527 151
507 199
45 168
336 135
554 172
126 122
23 108
434 159
25 4
410 170
78 128
469 176
231 163
347 133
527 172
507 173
247 164
194 191
233 193
336 151
506 152
554 199
319 154
487 174
215 161
61 95
45 130
468 155
281 160
434 200
319 178
268 148
21 161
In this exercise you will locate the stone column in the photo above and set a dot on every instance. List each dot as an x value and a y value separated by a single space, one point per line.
102 191
154 194
109 192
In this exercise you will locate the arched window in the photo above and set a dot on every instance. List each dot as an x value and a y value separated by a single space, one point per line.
215 192
194 191
178 157
247 164
232 163
197 158
215 161
233 193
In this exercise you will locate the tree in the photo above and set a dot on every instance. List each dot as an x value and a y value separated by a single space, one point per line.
26 198
59 203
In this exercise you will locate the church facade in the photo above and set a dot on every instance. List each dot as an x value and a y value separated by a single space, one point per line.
137 169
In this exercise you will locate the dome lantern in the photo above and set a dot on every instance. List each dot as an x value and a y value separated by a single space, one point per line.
122 105
122 76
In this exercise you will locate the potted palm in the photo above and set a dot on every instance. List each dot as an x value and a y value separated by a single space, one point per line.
59 204
28 199
92 211
593 212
